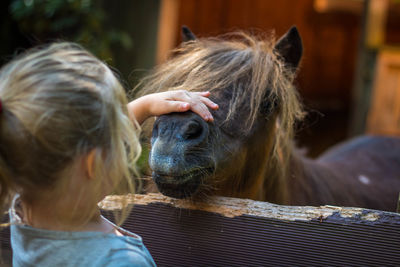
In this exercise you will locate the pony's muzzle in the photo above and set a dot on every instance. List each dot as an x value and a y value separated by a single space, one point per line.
176 139
176 157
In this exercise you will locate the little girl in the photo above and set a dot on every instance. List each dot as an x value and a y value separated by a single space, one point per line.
68 138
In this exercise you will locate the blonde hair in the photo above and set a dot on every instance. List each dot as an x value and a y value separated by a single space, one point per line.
59 102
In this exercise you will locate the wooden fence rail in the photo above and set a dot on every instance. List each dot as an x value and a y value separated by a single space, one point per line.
240 232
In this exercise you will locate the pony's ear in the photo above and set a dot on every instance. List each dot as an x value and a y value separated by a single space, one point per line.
290 47
187 34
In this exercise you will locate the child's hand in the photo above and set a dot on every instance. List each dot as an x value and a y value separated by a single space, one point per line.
171 101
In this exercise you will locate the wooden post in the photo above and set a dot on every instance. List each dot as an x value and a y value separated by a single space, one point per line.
372 37
167 28
384 112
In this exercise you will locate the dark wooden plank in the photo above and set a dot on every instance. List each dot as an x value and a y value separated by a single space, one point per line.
237 232
242 232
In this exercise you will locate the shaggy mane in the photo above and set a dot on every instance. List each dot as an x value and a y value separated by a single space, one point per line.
247 65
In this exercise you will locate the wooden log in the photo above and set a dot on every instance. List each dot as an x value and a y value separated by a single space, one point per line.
241 232
233 207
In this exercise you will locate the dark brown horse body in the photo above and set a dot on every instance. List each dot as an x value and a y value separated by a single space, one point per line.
247 152
363 172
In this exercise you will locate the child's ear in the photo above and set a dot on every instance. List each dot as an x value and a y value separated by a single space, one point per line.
90 163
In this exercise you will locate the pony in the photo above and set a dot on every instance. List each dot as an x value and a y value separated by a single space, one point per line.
248 151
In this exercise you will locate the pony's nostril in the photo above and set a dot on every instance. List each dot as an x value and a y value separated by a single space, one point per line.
192 130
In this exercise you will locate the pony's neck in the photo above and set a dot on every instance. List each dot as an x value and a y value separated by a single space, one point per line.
260 175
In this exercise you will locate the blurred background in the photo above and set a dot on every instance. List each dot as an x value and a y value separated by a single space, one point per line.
349 78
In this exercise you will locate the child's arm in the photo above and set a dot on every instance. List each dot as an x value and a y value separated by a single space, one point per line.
171 101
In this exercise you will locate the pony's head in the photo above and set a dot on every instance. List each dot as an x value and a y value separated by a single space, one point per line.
251 81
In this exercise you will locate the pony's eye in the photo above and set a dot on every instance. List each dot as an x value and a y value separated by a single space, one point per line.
192 130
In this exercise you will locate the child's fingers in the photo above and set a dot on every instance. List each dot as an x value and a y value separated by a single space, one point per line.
198 103
202 110
178 106
205 93
169 107
209 103
204 98
197 107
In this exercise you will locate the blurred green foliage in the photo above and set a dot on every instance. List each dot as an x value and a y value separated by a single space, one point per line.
81 21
